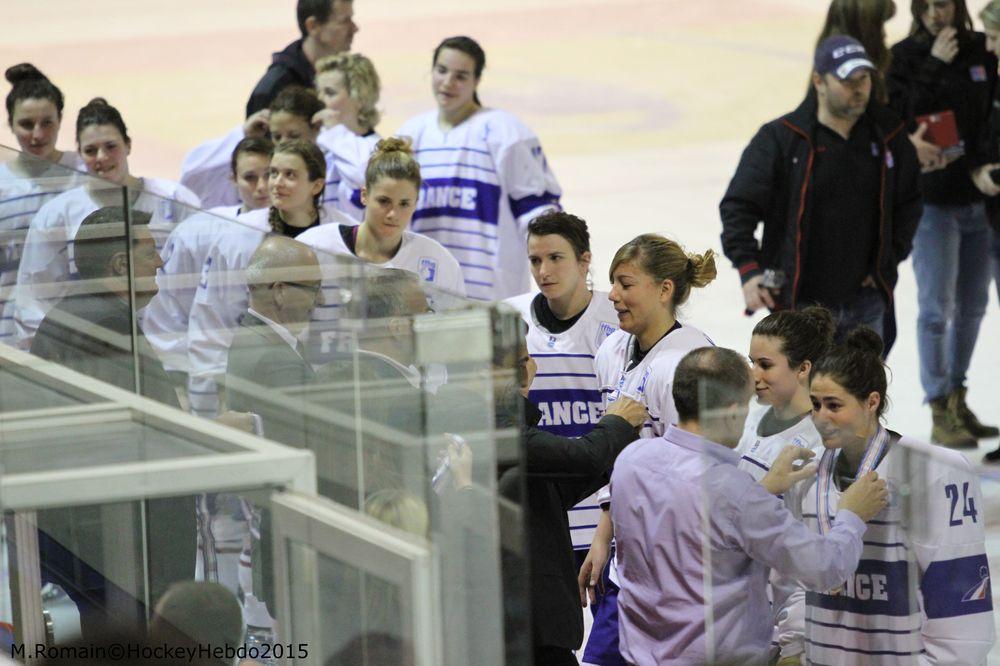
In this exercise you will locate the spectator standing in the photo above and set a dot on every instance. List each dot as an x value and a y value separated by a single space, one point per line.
835 183
944 66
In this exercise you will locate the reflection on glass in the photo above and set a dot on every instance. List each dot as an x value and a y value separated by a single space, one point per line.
364 619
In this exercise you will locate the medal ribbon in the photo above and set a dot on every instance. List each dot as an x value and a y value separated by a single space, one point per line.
873 453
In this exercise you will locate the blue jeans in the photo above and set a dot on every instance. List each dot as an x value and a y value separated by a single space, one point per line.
951 260
996 260
867 309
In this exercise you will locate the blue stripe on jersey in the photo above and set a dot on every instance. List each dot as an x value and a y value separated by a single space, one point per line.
29 196
585 507
884 545
431 230
465 248
355 199
754 462
563 355
459 197
875 588
953 588
529 203
834 625
477 266
860 651
477 282
870 522
465 165
23 213
568 412
444 149
582 527
566 374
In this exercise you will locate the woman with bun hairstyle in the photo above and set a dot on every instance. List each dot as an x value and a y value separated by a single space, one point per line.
34 115
930 535
485 176
39 173
47 264
348 85
783 349
651 277
389 196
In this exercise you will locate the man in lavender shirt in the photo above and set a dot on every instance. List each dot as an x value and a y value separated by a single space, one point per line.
696 537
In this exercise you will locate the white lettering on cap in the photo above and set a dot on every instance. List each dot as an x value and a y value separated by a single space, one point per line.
848 67
845 50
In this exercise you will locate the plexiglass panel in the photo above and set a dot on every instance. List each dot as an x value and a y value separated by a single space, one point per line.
398 389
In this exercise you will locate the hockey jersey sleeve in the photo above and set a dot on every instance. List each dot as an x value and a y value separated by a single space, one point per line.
524 172
949 542
43 272
219 302
206 170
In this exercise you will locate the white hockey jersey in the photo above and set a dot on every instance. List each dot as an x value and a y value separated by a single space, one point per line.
757 452
347 154
207 170
565 389
417 254
165 319
649 382
47 263
21 197
921 593
484 181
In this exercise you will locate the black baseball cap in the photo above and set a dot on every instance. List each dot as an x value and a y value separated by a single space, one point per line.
841 56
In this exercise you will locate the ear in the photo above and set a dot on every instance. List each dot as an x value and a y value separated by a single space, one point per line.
667 291
364 196
585 260
317 186
803 371
399 327
873 402
278 293
312 24
119 264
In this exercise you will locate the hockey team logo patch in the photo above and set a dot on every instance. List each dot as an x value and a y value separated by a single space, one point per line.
981 590
428 269
603 331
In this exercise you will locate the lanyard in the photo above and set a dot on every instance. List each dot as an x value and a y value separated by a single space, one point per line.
873 453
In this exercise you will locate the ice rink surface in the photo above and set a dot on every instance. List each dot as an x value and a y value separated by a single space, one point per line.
643 108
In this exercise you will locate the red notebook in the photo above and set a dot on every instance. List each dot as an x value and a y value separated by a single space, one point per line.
942 131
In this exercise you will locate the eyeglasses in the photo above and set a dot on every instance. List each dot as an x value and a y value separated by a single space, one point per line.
314 288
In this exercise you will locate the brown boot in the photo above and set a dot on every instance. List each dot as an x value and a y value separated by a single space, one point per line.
956 402
948 429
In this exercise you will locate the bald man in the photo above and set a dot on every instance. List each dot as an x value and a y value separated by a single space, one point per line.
266 356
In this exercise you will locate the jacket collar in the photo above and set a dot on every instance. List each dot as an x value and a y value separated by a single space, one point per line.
803 119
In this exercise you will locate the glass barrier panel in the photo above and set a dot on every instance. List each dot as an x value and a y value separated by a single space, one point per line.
404 393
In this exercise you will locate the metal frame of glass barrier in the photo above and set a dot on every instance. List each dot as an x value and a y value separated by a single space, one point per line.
360 542
236 461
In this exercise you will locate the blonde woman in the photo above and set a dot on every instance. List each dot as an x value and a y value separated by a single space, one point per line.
349 87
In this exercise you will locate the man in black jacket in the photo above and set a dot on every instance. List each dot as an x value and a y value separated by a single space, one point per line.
327 28
561 472
835 183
